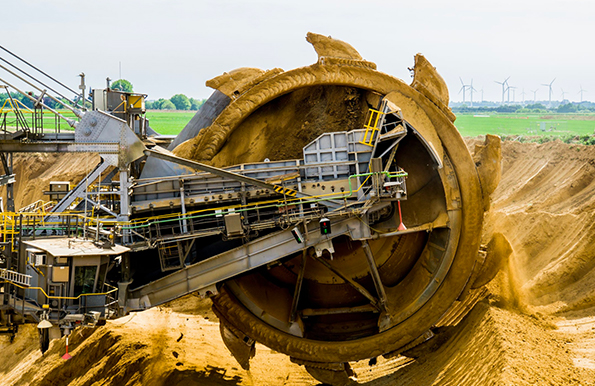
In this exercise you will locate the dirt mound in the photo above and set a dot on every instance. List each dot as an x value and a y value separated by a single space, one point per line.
178 344
492 346
34 171
166 346
538 326
18 355
545 206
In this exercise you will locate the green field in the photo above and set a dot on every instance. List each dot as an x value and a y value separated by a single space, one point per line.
169 122
470 125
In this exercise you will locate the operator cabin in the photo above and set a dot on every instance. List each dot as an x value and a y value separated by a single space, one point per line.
71 271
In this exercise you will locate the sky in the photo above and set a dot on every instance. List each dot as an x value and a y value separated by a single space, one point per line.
169 47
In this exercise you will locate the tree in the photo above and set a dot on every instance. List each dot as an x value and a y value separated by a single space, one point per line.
181 102
122 85
158 103
50 102
167 105
567 108
195 103
24 100
536 106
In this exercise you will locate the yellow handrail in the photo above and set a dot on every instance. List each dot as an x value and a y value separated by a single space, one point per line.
371 127
8 220
63 297
12 108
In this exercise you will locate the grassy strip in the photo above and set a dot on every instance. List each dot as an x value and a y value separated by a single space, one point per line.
570 128
169 122
560 125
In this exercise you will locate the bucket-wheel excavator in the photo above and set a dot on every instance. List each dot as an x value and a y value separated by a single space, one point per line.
331 212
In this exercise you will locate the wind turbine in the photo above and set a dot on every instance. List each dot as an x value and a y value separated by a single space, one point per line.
563 94
471 89
513 93
550 87
534 93
581 92
463 89
481 94
523 95
504 86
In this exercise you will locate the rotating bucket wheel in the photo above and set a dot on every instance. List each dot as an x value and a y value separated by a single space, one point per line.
329 309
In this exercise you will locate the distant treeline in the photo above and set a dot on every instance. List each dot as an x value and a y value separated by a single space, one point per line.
177 102
572 107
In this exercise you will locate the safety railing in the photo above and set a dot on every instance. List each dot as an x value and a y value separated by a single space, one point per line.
151 230
11 105
37 121
371 127
109 293
38 206
105 302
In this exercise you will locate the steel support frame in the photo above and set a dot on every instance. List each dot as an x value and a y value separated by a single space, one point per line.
228 264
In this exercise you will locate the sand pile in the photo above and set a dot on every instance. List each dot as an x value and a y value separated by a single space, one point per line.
546 208
34 171
537 327
178 344
492 346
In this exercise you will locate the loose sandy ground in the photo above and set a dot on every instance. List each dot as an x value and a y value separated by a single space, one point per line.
536 327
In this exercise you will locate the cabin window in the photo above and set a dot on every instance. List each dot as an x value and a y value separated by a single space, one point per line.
84 279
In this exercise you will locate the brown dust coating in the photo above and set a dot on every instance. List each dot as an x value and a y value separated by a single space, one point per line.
280 129
537 327
338 64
